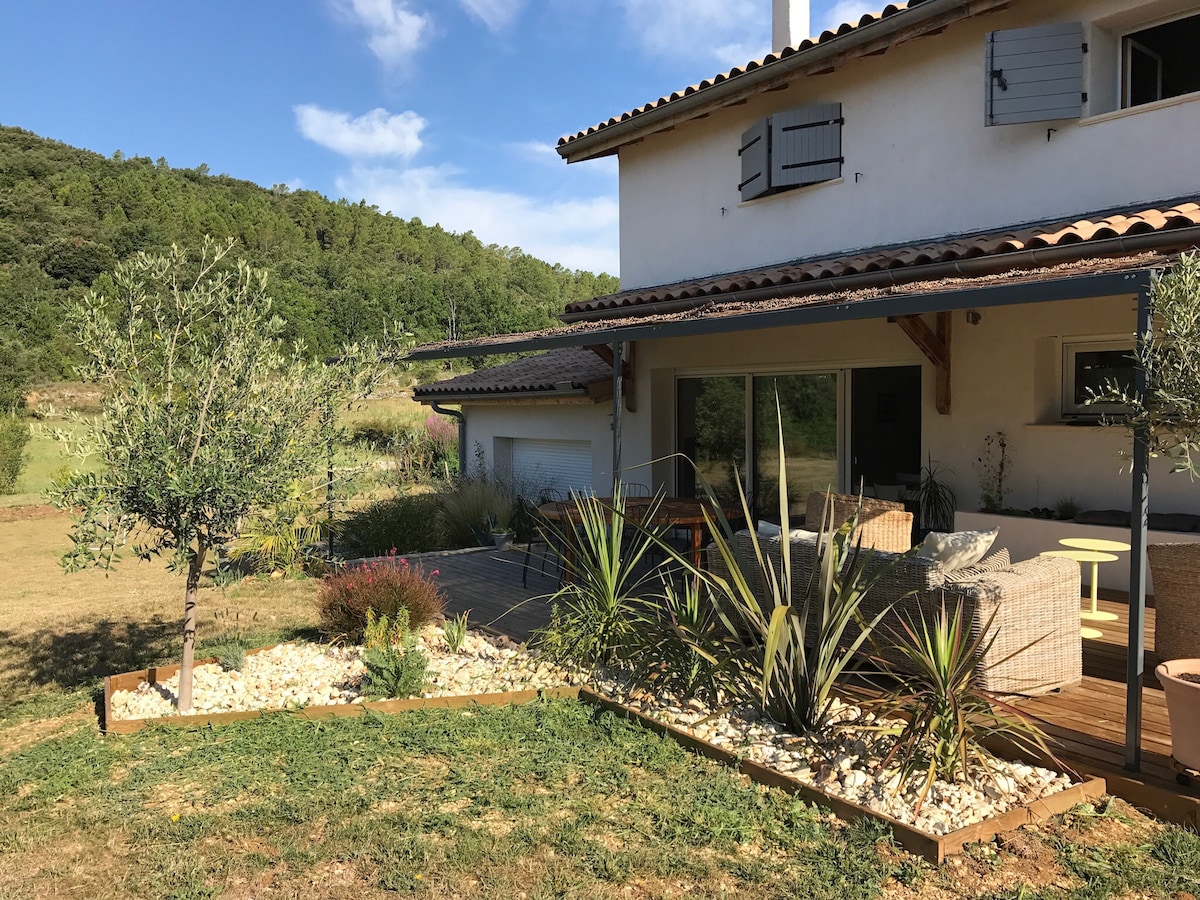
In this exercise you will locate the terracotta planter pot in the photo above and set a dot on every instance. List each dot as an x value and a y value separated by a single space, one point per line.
1183 709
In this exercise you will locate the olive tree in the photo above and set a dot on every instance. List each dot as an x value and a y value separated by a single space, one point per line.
207 416
1169 411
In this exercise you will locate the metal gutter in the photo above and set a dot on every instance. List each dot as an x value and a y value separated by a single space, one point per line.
476 396
962 268
787 66
1074 287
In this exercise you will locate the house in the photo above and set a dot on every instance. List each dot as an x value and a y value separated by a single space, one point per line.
923 230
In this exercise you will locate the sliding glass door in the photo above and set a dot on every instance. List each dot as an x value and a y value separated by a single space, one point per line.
711 431
808 411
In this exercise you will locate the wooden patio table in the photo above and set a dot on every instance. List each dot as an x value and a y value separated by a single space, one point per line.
670 512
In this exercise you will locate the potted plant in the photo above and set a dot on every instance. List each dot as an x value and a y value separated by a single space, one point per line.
502 538
1180 679
935 500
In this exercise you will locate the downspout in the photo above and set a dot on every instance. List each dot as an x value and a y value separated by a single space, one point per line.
1138 522
462 433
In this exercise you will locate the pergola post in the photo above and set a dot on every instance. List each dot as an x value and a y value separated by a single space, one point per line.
1139 518
618 367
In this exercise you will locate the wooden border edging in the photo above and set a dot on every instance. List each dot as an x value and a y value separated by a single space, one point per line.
932 847
153 675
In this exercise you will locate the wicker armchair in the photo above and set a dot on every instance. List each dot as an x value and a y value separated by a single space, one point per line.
1036 606
884 524
1176 571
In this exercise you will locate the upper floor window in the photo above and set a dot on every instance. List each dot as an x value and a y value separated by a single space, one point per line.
1160 62
791 149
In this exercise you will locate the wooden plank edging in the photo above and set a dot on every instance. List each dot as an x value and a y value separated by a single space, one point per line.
934 848
153 675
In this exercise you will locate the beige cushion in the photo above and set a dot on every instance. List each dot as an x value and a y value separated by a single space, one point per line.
958 549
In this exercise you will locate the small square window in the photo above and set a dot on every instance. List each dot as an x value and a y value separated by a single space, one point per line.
1089 368
1159 62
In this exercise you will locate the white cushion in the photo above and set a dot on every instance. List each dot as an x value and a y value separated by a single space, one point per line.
768 529
799 534
957 549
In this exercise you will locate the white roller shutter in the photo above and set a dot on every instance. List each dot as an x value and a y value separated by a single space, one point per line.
563 465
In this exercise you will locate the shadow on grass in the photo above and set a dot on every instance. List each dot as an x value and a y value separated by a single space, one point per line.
80 656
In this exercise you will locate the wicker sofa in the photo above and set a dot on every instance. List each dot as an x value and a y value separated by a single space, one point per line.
1035 600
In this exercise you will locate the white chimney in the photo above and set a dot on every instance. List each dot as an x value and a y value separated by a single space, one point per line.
789 23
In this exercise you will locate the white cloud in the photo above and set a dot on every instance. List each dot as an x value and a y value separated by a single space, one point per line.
580 233
376 133
846 11
495 14
731 32
394 31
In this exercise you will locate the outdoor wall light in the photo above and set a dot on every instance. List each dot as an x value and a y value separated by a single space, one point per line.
973 317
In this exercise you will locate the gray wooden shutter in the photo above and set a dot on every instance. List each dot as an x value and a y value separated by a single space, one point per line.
1035 74
806 145
755 152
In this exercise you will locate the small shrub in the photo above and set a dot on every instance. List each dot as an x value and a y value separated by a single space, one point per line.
284 538
454 630
472 507
231 656
14 435
396 666
1066 508
382 588
411 523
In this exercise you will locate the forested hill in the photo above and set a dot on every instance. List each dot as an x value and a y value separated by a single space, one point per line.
338 270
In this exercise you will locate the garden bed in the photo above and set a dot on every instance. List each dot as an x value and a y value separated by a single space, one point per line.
933 847
760 751
316 681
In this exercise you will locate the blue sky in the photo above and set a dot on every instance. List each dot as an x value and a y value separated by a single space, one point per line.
444 109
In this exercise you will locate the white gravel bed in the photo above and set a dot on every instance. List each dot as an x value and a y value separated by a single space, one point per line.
846 762
290 676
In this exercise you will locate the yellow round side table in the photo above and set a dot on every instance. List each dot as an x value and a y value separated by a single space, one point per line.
1094 557
1098 545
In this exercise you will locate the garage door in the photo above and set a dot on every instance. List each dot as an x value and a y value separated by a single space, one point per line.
564 465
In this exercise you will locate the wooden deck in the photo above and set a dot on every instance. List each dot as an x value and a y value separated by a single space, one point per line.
1088 723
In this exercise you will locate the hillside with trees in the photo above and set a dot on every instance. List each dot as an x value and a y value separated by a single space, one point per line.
339 270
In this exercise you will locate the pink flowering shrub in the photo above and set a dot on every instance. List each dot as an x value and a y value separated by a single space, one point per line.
383 586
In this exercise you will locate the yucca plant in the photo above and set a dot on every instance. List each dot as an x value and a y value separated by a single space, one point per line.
787 653
947 719
678 644
593 614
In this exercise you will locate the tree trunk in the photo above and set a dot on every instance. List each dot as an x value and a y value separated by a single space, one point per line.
189 630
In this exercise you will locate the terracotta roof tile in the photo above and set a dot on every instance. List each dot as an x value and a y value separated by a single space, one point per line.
573 366
1084 232
737 71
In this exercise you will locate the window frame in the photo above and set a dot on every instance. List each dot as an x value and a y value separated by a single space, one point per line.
1071 348
1125 43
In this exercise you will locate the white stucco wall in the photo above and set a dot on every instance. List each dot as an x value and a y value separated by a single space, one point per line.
920 162
591 422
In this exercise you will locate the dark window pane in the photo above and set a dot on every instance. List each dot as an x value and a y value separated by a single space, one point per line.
808 410
711 433
1162 61
1095 370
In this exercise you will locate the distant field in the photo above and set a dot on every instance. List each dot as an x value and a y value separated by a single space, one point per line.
394 406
